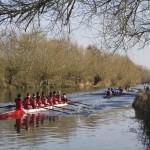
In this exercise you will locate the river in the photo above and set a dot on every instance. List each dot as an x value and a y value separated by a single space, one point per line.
106 124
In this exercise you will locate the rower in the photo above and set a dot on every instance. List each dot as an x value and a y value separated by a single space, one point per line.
120 89
64 98
50 99
39 100
27 102
112 91
44 99
59 97
18 102
54 98
109 92
33 101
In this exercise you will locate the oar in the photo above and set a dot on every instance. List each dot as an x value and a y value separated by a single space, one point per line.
82 103
64 108
59 111
56 110
78 105
70 101
8 106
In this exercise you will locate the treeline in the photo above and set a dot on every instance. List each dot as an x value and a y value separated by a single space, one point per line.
29 60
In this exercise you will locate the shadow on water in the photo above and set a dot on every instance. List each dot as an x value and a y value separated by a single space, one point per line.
143 132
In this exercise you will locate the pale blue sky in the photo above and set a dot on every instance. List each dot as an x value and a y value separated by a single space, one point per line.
140 57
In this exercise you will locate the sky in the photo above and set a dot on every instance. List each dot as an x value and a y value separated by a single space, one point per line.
84 37
139 57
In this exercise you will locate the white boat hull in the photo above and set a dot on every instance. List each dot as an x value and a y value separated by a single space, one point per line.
31 111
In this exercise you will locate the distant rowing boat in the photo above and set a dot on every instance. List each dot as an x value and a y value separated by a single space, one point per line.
110 96
14 114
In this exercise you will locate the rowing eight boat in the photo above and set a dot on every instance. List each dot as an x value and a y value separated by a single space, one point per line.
19 113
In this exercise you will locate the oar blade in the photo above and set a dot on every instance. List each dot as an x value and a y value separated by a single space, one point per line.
8 106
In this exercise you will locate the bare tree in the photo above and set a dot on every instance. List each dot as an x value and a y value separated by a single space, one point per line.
120 24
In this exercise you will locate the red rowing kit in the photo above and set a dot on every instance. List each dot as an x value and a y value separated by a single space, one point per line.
38 101
27 103
30 105
34 102
18 103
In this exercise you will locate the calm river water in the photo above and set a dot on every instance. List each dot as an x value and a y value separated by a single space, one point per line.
109 124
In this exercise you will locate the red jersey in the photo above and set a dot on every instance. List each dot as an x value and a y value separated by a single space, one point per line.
34 102
27 103
18 102
50 100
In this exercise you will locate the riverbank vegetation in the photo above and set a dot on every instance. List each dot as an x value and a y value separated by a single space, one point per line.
142 101
32 59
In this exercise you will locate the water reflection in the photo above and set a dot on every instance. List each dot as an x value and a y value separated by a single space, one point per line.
33 121
143 132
